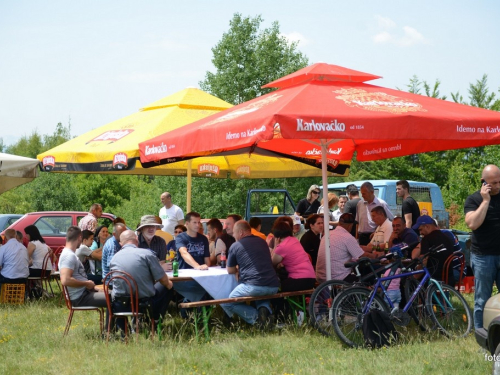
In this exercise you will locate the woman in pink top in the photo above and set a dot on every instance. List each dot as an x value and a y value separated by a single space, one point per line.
290 253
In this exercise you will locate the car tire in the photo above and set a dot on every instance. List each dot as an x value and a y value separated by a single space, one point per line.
496 364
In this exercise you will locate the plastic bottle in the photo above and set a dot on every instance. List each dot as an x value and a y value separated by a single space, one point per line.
223 259
175 268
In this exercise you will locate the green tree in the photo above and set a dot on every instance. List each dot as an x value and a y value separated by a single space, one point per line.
246 59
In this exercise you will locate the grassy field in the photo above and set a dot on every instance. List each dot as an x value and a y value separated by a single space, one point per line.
31 342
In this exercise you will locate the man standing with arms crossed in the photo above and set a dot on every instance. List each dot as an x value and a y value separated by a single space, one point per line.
482 215
170 214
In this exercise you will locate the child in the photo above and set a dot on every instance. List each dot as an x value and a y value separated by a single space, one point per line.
84 254
393 290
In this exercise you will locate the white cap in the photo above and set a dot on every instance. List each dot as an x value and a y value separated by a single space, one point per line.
296 220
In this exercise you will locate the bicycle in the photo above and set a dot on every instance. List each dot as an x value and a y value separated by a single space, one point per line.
320 303
446 308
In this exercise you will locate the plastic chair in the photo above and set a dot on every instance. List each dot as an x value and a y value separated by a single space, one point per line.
72 310
133 294
448 267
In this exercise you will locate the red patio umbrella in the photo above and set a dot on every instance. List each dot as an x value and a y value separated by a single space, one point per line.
324 113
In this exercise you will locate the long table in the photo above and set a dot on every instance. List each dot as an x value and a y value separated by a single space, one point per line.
216 281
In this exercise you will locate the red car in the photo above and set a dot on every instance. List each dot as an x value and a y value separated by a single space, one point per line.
53 224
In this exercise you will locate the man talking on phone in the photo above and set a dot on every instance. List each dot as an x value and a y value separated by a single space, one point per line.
482 216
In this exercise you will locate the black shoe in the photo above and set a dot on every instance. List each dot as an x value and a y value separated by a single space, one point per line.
263 319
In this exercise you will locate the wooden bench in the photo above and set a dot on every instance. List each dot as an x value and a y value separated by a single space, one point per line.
208 306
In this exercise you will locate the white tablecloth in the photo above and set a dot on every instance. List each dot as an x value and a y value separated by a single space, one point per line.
216 281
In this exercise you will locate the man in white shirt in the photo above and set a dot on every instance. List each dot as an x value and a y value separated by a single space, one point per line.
14 261
366 226
383 232
170 214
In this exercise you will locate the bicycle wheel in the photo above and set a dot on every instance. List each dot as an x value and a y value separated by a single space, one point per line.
320 305
450 311
347 316
417 309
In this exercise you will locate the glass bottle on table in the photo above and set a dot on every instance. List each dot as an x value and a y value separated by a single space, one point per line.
175 268
223 259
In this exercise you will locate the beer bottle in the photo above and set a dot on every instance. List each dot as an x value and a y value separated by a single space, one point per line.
175 267
223 259
386 250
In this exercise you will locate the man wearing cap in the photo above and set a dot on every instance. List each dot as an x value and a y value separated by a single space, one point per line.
482 214
149 240
366 226
297 230
343 248
433 237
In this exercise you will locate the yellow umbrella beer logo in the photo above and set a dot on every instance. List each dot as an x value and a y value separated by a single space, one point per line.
208 169
120 161
48 163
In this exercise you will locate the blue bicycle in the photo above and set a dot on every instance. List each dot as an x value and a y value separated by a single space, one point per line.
430 300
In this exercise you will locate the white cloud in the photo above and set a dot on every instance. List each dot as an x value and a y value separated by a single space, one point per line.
385 22
383 37
411 36
296 37
404 37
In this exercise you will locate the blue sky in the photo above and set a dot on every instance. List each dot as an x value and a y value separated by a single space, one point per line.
98 61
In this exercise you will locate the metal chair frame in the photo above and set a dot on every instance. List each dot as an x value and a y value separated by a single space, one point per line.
72 310
448 267
44 278
134 302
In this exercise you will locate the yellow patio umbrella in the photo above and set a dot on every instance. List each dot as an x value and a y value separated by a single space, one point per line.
114 148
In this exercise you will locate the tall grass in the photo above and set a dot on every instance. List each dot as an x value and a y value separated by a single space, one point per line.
31 342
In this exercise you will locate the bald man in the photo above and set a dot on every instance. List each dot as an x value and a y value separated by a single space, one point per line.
250 256
143 265
482 216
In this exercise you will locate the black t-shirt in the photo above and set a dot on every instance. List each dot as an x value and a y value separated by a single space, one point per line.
252 255
436 262
310 242
197 247
410 206
304 208
351 207
485 240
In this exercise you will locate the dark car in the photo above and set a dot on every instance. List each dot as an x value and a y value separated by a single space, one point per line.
8 219
53 224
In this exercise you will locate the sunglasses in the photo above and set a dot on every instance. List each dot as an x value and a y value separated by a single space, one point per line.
315 192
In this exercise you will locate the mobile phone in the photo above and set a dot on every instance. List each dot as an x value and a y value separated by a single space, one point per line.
483 182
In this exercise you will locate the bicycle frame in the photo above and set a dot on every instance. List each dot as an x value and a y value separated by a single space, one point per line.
380 284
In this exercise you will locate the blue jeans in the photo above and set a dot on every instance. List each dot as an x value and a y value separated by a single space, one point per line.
249 313
486 270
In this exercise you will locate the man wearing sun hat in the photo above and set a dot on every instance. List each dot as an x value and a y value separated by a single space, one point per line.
149 240
432 237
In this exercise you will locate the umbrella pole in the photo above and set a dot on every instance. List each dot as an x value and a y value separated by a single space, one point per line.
188 190
326 209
